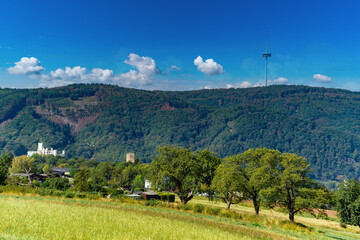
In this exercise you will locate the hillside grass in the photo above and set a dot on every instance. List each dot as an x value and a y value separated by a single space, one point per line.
34 217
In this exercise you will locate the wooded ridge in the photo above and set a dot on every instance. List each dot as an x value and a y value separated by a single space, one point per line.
104 122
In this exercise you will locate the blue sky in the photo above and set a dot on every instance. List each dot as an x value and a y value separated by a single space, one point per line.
156 44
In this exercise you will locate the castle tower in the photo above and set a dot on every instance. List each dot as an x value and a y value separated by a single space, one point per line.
130 157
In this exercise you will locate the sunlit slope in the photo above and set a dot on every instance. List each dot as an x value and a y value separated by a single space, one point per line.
104 122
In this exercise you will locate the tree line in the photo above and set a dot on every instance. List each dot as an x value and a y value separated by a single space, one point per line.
266 177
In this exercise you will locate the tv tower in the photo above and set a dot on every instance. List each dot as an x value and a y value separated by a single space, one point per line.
266 55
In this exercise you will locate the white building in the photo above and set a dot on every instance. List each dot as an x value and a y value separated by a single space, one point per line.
45 151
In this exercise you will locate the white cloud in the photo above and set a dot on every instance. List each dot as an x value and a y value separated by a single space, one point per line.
209 67
77 74
143 75
145 69
322 78
244 84
173 68
27 66
279 80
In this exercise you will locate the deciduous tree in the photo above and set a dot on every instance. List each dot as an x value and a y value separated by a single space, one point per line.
292 189
179 169
23 164
257 172
5 163
348 202
226 181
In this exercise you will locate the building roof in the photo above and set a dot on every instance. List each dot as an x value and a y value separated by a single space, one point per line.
150 193
61 169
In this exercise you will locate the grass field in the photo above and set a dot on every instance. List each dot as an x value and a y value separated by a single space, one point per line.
32 217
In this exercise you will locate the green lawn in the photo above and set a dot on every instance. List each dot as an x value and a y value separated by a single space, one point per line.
29 217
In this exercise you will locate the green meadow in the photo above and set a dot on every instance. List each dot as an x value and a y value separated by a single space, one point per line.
34 217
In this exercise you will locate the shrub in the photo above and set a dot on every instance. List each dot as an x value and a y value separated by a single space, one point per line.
80 195
44 191
152 202
35 184
117 193
69 194
186 207
57 193
93 196
213 210
199 208
167 197
138 189
56 183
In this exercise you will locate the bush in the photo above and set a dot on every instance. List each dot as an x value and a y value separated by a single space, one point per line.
138 189
69 194
199 208
167 197
57 193
186 207
117 193
44 191
80 195
103 192
152 202
212 211
56 183
35 184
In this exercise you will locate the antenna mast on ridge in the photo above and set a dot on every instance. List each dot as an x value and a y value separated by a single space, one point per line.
266 55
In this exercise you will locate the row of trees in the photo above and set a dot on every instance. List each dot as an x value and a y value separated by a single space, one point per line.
266 177
88 175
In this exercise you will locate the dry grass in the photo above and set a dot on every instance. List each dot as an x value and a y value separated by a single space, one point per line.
32 217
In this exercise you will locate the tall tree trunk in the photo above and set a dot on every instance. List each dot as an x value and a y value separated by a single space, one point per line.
228 204
291 215
291 203
256 205
185 199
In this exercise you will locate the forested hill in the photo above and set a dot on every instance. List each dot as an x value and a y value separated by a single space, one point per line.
104 122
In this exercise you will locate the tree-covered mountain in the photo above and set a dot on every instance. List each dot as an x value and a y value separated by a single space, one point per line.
105 122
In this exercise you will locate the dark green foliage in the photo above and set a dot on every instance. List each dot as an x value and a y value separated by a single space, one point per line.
213 210
5 163
348 202
56 183
181 170
290 187
105 122
199 208
152 202
69 194
117 193
227 181
81 180
167 197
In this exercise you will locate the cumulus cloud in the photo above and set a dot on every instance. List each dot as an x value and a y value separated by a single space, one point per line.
244 84
279 80
145 69
322 78
143 75
27 66
61 77
209 67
